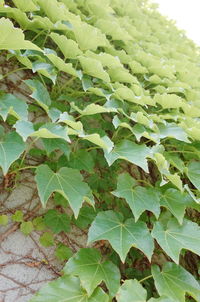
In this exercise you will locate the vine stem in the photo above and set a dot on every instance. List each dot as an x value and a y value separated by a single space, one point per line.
24 168
13 71
27 150
146 278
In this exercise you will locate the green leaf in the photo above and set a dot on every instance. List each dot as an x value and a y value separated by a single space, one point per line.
88 37
68 47
161 299
127 150
63 252
3 219
26 227
10 104
194 173
49 130
67 288
13 38
176 202
18 216
92 270
138 198
81 160
94 68
47 239
177 237
121 234
103 142
68 182
60 64
39 224
39 93
24 6
52 144
56 221
174 282
131 291
11 148
85 217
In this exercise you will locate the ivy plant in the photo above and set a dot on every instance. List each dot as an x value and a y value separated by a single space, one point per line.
117 87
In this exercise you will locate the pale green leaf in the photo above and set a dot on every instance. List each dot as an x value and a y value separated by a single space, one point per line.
94 68
68 47
88 37
13 38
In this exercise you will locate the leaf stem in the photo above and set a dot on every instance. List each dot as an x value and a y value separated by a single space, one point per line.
146 278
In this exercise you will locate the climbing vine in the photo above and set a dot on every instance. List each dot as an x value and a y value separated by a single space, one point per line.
114 89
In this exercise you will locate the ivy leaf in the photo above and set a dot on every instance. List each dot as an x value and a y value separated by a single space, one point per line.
52 144
56 221
176 202
3 220
174 282
88 37
63 252
177 237
48 130
161 299
139 198
68 47
94 68
26 227
13 38
127 150
10 104
39 93
81 160
11 148
194 174
85 217
121 234
91 270
68 182
131 291
18 216
67 288
47 239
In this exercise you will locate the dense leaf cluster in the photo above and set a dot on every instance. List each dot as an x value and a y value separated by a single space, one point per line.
118 87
